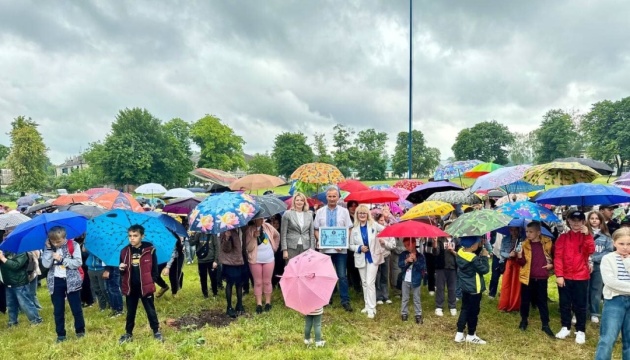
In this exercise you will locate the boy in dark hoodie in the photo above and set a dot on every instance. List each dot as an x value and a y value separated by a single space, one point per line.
139 269
413 266
470 271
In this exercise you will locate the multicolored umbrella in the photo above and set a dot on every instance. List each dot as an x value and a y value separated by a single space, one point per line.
422 192
407 184
221 212
351 185
528 210
318 173
500 177
482 169
560 173
454 170
215 176
510 198
12 220
118 200
256 182
412 229
32 235
71 199
456 197
97 191
584 195
428 208
478 223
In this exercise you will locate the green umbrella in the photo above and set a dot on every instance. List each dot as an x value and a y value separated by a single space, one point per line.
478 223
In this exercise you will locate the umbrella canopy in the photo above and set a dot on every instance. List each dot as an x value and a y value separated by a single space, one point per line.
528 210
380 187
216 188
171 223
98 191
38 207
402 197
496 194
599 166
196 189
560 173
428 208
85 210
318 173
407 184
411 229
422 192
521 186
308 281
12 220
351 185
500 177
256 182
455 169
456 197
150 188
372 197
71 199
623 180
107 235
182 206
214 176
522 223
118 200
269 205
221 212
510 198
482 169
583 195
478 223
179 193
32 235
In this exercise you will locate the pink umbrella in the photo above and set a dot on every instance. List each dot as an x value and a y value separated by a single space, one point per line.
308 282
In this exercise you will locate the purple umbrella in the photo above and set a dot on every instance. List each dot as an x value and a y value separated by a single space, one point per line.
623 180
182 206
422 192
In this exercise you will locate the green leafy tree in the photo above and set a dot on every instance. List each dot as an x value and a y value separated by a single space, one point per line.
180 129
372 159
81 180
522 150
27 159
262 164
345 153
319 145
220 147
290 150
4 151
486 141
557 137
424 159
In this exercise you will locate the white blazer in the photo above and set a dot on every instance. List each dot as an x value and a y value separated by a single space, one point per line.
376 250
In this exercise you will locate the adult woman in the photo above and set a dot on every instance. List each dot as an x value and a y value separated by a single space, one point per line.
234 271
368 254
596 224
382 287
278 268
261 241
296 229
510 299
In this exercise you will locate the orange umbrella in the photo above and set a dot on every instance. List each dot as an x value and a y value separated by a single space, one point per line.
256 182
71 199
118 200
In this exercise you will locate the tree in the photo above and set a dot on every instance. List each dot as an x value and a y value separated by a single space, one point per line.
557 137
319 145
220 147
290 150
607 131
4 151
372 159
522 150
180 129
424 159
262 164
345 154
81 180
27 159
486 141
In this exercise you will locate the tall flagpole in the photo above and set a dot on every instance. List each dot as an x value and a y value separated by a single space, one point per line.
410 87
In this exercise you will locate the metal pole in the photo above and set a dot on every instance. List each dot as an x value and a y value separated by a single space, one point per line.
410 87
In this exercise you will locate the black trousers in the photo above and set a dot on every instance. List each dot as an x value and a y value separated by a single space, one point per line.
205 271
149 307
536 293
430 259
469 314
352 273
496 274
175 275
3 299
573 298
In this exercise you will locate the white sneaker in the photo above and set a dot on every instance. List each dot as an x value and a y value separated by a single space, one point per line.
459 337
474 339
563 333
320 343
439 312
490 297
364 311
453 312
432 293
371 314
388 301
573 320
580 337
594 319
308 342
380 302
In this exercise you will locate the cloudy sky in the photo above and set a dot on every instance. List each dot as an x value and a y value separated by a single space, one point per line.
270 66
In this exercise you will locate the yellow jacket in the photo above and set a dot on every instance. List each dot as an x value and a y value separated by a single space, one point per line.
527 254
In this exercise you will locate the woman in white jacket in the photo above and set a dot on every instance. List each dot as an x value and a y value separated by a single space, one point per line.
369 253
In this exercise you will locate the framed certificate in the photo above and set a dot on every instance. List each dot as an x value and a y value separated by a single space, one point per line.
333 238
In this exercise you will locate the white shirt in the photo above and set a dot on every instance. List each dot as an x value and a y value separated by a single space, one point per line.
60 271
343 220
265 254
300 219
408 274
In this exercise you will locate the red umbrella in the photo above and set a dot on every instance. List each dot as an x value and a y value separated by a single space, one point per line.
407 184
71 199
311 202
372 197
352 186
412 229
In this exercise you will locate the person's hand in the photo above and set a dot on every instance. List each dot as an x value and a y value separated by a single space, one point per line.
285 255
105 275
165 272
519 254
584 230
435 241
381 241
57 257
214 265
560 281
548 267
122 266
590 267
484 252
2 257
364 249
339 250
48 244
512 253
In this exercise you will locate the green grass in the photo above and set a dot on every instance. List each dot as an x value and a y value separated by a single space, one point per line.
278 334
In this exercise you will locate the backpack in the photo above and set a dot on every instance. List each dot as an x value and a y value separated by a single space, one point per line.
203 250
71 251
33 264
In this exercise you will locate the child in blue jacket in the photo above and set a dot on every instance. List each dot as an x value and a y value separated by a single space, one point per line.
413 266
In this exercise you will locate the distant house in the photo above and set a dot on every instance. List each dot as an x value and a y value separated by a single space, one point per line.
6 177
72 164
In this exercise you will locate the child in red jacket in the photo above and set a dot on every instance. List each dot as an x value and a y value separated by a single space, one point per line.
572 250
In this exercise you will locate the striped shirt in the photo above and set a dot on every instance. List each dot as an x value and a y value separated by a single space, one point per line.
622 273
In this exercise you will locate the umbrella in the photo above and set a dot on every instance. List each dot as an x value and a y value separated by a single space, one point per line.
496 193
510 198
256 182
178 193
150 188
402 197
456 197
107 235
196 189
214 176
216 188
500 177
221 212
32 235
372 197
182 206
482 169
38 207
12 220
269 205
318 173
71 199
308 282
422 192
455 169
428 208
623 180
560 173
85 210
583 195
407 184
380 187
522 223
599 166
171 223
411 229
521 186
351 185
117 200
528 210
98 191
478 223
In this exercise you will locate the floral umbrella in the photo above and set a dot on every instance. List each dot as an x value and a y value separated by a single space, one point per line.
456 197
500 177
428 208
560 173
528 210
482 169
222 212
318 173
407 184
455 169
510 198
478 223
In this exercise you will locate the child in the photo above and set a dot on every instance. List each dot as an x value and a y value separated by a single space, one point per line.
139 269
413 265
470 271
534 260
615 268
314 321
63 258
573 249
603 245
445 255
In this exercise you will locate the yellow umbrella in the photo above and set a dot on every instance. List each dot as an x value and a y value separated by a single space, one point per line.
428 208
560 173
318 173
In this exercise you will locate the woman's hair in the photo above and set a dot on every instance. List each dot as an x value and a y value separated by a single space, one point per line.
378 216
299 194
363 208
352 203
57 233
624 231
602 223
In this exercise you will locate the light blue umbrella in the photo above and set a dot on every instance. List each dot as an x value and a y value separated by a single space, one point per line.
222 212
521 186
380 187
584 194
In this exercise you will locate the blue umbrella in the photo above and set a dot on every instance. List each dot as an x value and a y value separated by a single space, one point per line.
222 212
528 210
107 235
380 186
584 194
521 186
32 235
170 223
522 223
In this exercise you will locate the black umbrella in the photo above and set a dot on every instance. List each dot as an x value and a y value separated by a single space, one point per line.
269 205
422 192
217 188
37 207
599 166
88 211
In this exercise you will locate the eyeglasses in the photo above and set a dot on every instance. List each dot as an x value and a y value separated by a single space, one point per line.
362 213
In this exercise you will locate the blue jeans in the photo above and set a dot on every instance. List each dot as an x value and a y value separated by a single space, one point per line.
595 287
340 261
32 286
113 289
189 251
615 319
20 298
